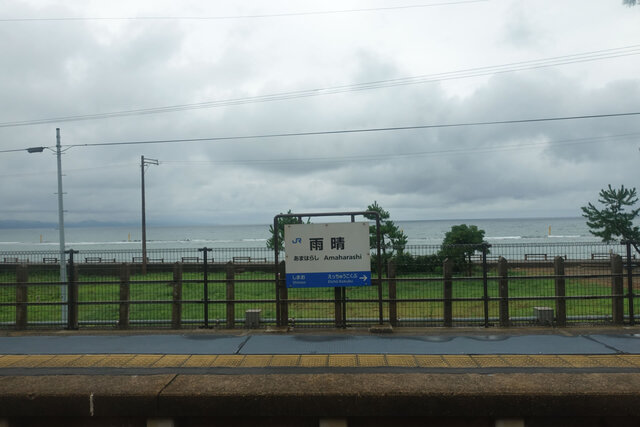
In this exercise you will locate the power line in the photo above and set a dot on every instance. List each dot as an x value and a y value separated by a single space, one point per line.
67 170
234 17
368 157
466 150
351 131
420 79
340 131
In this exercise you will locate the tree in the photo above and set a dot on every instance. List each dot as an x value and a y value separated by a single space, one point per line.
629 2
613 221
392 238
282 221
460 243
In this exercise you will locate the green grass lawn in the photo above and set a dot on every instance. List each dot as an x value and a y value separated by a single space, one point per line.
157 287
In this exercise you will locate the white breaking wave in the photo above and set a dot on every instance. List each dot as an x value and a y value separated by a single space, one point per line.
121 242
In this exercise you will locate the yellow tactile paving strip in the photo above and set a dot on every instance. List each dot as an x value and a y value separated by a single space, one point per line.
171 361
227 361
313 360
371 360
431 361
199 361
343 360
470 362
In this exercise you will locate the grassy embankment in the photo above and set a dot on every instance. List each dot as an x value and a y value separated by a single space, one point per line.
157 287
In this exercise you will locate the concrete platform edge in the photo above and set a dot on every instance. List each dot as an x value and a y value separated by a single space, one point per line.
499 395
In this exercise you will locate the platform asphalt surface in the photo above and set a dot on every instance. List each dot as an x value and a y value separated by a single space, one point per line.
441 372
610 350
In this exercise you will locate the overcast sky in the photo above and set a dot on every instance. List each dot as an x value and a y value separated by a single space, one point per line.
473 61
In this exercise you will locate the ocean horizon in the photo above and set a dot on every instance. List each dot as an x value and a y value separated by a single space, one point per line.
419 232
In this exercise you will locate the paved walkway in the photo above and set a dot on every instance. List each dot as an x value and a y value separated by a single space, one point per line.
207 352
424 373
309 343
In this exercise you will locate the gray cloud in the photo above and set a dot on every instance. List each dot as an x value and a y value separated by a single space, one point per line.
54 70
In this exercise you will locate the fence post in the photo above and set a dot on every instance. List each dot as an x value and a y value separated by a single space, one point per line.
503 291
283 296
561 302
447 268
72 292
485 284
617 290
205 251
393 306
176 306
337 298
231 296
22 277
632 320
125 295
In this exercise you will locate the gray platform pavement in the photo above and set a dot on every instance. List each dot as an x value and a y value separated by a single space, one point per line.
308 343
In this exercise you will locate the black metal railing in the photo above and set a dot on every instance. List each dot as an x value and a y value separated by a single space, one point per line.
498 285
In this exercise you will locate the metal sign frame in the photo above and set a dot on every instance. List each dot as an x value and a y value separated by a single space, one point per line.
280 280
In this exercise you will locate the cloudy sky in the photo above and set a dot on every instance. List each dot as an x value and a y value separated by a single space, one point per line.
255 68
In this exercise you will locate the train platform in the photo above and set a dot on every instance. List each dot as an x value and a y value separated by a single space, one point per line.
478 375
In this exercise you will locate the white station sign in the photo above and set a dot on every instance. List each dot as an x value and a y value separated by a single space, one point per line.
327 255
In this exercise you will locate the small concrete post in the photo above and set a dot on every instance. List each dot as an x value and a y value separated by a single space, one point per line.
231 295
393 306
22 277
617 290
125 295
252 318
503 291
561 302
176 306
447 295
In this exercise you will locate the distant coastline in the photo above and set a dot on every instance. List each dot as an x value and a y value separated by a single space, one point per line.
95 235
19 224
22 224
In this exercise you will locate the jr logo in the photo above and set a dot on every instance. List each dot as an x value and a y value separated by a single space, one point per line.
296 240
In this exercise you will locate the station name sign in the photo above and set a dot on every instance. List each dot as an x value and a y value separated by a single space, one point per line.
327 255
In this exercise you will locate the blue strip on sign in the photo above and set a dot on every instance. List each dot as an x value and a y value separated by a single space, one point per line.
329 280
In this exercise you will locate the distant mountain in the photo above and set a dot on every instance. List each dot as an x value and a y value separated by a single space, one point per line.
91 224
14 223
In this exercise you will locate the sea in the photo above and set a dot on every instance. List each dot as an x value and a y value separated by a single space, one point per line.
423 232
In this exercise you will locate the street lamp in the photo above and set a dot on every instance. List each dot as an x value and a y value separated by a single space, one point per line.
143 164
63 269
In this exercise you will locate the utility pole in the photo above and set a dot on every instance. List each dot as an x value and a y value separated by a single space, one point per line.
63 261
62 256
143 163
